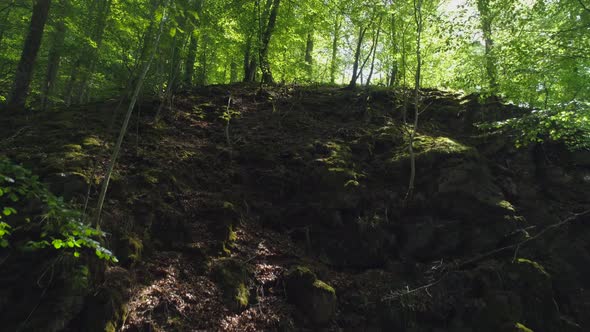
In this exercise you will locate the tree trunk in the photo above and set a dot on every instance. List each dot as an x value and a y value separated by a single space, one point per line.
24 71
250 64
418 19
189 65
486 18
54 56
265 42
123 131
202 73
375 43
171 84
394 69
93 52
308 56
357 55
84 65
333 61
233 72
393 75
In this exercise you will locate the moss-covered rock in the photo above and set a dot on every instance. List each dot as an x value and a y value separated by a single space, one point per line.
312 296
470 185
130 250
106 309
531 281
69 185
233 277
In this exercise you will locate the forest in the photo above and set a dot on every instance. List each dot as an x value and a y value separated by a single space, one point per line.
295 165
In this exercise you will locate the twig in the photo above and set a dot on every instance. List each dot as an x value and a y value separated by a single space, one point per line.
586 8
18 132
523 242
488 254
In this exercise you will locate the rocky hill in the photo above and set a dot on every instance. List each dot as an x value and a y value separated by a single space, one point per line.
283 209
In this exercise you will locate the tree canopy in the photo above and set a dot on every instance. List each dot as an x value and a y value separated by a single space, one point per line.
531 52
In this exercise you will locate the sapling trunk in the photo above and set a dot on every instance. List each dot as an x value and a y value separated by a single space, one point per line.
418 18
123 131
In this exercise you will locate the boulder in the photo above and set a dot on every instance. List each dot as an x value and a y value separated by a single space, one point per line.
69 185
106 309
467 191
313 297
233 277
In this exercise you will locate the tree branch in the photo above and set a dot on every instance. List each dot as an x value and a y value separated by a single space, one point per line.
586 8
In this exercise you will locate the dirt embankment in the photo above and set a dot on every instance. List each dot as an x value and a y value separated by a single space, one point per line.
253 210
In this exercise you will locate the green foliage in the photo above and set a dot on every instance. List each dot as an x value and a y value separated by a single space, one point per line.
539 49
50 224
569 124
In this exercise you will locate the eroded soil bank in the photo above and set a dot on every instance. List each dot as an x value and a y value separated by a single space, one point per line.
291 217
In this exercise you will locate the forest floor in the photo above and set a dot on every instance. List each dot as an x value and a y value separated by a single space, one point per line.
209 217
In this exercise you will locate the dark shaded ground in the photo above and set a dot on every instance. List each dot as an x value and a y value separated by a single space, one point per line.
207 219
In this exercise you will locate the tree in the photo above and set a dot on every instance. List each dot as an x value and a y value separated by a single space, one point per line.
265 42
334 58
123 131
419 22
24 71
57 45
85 64
194 19
486 19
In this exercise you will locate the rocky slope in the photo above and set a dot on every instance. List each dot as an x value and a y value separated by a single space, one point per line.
292 217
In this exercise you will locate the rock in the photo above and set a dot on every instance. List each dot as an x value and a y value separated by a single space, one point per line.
581 158
418 237
68 185
500 311
106 309
233 277
312 296
557 175
534 285
130 250
467 191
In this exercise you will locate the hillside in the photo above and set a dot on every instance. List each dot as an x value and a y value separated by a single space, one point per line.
291 216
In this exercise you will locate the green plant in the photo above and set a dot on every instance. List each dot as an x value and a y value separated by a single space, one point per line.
33 218
569 124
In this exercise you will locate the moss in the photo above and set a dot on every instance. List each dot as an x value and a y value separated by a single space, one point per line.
136 248
506 205
339 154
73 147
520 327
110 327
303 273
312 296
242 295
150 179
232 236
535 265
323 286
232 276
91 141
431 145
